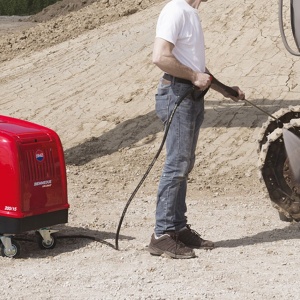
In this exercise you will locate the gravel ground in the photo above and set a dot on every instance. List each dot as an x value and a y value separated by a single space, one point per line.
87 74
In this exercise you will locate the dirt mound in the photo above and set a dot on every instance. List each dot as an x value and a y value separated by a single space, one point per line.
62 21
62 8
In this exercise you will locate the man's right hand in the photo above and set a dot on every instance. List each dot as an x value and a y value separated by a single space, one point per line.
202 81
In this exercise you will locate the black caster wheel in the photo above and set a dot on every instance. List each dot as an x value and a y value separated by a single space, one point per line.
13 252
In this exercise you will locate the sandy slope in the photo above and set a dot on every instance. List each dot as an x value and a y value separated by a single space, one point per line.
95 88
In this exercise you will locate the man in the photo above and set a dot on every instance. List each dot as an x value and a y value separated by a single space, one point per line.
179 51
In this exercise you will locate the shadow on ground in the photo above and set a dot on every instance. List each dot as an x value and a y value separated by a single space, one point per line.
290 232
68 239
226 114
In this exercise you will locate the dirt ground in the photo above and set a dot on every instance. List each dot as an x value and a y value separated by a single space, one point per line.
87 73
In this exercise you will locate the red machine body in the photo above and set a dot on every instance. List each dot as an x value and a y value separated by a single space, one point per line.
33 184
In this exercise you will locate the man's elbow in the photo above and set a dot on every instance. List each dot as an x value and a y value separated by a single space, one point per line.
159 60
156 59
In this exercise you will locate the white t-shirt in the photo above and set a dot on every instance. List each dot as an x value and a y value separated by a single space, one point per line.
179 24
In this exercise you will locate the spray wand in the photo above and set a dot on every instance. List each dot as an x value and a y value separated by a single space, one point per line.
234 93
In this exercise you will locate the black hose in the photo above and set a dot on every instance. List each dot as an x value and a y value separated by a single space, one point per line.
77 236
169 121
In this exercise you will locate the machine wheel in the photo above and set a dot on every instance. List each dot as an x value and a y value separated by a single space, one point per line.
14 253
44 245
283 189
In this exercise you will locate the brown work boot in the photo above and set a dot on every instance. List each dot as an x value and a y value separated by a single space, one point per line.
170 245
192 239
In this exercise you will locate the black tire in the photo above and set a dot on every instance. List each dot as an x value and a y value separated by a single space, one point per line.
42 245
16 250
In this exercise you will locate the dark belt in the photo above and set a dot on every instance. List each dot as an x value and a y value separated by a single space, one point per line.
176 79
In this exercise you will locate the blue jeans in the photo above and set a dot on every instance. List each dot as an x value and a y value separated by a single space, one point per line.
180 153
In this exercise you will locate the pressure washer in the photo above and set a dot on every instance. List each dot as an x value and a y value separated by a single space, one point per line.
33 184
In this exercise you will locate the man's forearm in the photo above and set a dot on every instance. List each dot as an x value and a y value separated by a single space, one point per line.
169 64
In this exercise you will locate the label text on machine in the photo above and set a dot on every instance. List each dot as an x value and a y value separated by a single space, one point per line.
44 183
